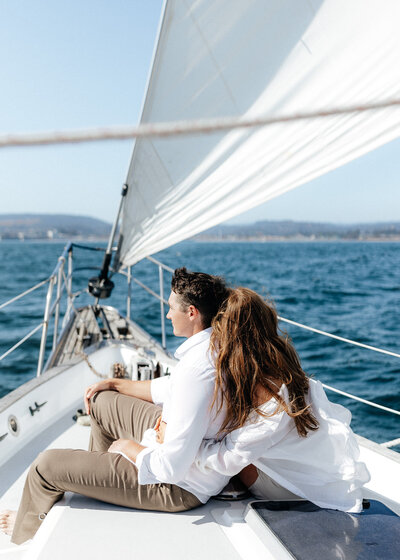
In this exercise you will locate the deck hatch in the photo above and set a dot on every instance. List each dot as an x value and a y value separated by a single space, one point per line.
311 533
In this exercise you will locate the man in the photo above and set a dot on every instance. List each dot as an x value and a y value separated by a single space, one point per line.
164 477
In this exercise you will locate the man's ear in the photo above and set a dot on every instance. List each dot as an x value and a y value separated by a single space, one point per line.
194 313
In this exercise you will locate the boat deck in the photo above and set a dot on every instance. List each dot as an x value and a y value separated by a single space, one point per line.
78 523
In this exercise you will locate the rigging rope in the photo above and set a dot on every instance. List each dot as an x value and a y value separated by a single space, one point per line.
31 333
162 130
24 293
354 397
91 367
340 338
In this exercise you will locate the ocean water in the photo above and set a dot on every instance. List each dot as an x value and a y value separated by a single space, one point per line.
348 289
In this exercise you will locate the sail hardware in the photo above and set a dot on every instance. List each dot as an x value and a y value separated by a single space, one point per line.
37 407
101 286
13 425
100 311
145 370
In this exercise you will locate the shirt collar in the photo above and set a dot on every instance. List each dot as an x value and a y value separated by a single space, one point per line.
192 341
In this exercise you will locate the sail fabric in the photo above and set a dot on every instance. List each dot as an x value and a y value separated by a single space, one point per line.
256 58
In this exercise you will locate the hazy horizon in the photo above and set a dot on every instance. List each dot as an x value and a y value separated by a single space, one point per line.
228 223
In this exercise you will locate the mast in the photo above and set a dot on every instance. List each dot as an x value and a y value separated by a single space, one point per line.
101 286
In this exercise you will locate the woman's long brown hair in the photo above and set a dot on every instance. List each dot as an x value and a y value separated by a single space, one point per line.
251 354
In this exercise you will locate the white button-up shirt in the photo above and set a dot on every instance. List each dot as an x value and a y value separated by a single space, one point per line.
186 396
322 467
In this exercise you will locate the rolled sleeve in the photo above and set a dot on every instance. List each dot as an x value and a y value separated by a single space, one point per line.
159 389
145 476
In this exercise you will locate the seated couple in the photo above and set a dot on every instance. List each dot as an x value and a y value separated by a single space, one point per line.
237 402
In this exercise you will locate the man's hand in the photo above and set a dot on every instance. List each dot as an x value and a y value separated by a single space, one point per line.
138 389
103 385
130 448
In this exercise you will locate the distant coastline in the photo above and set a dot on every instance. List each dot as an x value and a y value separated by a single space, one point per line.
63 227
288 230
52 227
391 239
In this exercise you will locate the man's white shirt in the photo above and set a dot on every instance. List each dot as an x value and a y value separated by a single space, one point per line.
186 396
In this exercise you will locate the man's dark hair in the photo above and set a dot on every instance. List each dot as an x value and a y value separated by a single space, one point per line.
202 290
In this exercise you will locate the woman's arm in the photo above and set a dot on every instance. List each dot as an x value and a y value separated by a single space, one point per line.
240 447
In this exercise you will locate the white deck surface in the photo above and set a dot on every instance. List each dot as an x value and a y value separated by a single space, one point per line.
82 527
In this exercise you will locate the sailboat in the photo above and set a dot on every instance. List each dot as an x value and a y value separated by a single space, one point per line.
287 91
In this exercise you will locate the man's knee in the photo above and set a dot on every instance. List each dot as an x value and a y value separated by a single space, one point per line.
47 462
101 402
56 465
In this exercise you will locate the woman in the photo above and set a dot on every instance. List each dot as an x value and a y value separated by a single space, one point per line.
280 429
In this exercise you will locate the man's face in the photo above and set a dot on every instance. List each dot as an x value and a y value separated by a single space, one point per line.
180 320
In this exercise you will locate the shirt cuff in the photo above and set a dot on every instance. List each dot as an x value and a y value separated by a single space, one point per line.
145 476
158 389
123 455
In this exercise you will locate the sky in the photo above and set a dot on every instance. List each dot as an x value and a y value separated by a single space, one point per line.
70 65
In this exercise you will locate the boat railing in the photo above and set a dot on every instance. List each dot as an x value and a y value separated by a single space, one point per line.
63 281
52 308
160 296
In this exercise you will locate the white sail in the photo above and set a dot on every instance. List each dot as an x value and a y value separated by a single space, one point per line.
251 58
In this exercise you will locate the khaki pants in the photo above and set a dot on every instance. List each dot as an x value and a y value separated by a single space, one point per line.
95 473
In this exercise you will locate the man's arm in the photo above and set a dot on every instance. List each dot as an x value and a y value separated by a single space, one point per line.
138 389
188 419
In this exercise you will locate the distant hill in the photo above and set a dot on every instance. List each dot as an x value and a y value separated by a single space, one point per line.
52 226
63 226
288 229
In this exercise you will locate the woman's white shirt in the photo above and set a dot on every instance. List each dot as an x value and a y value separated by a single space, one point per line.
322 467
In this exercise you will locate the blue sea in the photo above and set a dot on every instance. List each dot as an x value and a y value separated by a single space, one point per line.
351 289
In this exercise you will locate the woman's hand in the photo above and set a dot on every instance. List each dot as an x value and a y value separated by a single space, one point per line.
103 385
160 430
